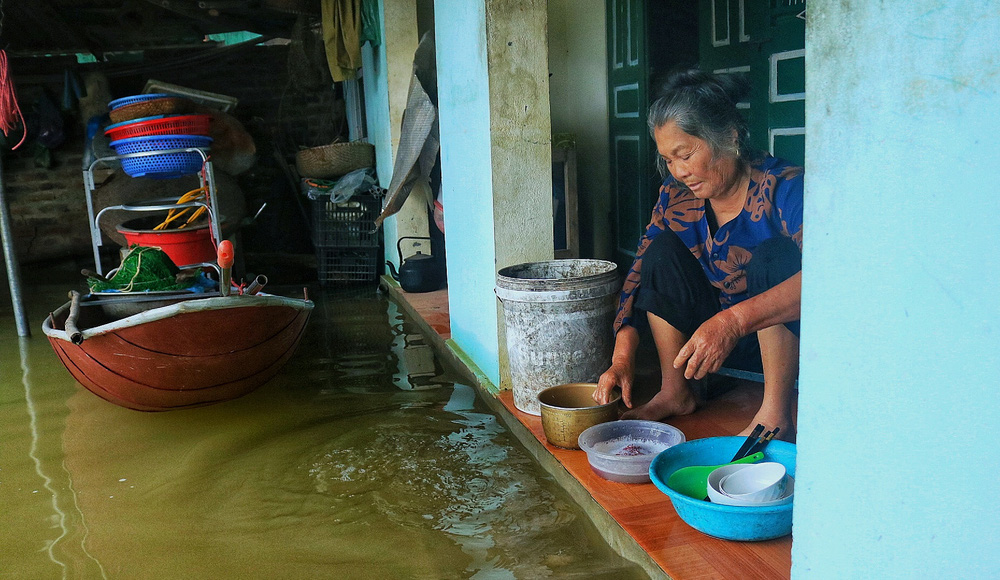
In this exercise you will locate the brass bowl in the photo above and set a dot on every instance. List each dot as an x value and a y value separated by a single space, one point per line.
568 410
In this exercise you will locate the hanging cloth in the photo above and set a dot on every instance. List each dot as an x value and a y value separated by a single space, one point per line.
341 37
418 135
417 150
371 30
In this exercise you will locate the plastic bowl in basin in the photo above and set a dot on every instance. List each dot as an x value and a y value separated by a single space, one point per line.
622 450
745 523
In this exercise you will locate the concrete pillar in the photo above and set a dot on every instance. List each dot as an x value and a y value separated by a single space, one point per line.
521 138
898 405
495 158
520 132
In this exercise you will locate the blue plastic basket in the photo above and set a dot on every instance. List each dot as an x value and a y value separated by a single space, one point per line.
135 99
161 165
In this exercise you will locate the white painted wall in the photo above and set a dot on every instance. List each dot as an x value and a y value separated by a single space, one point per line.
578 91
467 179
899 405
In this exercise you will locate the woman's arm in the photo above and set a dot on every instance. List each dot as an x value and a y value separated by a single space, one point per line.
622 370
709 346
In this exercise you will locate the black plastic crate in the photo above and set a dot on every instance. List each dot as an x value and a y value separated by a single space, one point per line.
347 224
347 265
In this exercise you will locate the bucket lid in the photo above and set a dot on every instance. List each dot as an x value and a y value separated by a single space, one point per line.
558 280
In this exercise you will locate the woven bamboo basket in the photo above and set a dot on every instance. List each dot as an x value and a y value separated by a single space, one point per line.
334 160
152 108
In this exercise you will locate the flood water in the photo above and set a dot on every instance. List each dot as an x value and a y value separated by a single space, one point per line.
363 458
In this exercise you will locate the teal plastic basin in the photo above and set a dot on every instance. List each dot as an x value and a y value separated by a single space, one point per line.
743 523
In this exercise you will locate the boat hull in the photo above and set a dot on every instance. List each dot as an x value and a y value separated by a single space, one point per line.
189 354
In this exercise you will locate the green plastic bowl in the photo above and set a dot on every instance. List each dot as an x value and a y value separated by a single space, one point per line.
743 523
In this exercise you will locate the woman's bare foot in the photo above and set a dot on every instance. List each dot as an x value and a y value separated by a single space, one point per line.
786 428
664 404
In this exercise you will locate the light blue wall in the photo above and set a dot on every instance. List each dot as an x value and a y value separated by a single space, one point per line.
899 409
376 86
466 178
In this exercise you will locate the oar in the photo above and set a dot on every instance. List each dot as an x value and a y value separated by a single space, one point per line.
75 336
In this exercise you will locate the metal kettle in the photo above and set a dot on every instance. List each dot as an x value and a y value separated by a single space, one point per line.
418 273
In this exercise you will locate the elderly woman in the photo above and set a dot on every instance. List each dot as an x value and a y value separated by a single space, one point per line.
717 275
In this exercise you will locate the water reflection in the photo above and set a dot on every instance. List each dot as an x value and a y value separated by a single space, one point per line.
63 527
362 459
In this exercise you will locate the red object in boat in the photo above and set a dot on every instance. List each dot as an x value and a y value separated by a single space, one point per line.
225 254
165 125
183 246
188 354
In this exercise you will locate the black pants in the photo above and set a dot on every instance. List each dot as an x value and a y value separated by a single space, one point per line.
675 288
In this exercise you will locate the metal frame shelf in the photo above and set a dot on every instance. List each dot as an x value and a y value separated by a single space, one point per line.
206 175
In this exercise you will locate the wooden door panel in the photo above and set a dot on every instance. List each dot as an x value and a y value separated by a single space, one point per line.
646 38
628 94
763 40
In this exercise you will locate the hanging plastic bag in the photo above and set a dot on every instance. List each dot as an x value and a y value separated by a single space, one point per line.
357 181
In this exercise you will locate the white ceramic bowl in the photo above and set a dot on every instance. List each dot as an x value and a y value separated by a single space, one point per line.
757 483
715 493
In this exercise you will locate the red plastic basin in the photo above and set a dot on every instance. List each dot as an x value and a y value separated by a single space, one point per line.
185 246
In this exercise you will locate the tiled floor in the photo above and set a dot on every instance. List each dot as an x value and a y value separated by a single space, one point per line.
649 527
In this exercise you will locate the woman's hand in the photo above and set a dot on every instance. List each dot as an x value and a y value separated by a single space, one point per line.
622 371
713 341
621 375
709 346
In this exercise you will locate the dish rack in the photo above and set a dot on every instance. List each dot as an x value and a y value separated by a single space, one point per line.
204 171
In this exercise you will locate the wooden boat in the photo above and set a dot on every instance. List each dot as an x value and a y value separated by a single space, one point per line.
189 353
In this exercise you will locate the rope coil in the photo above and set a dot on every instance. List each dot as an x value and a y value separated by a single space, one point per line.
10 112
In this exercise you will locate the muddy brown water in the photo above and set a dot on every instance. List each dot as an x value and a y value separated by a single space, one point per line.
363 458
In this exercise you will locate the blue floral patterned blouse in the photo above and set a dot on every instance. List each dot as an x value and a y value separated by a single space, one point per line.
773 208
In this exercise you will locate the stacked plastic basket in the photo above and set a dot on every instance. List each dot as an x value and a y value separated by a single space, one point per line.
343 234
159 146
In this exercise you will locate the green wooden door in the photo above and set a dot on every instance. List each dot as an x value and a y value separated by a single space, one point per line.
645 39
628 98
764 40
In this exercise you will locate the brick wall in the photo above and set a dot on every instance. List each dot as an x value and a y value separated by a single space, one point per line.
282 112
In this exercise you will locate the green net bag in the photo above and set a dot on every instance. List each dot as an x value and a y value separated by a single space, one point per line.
143 269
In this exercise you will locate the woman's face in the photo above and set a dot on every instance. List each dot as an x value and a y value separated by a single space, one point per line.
690 160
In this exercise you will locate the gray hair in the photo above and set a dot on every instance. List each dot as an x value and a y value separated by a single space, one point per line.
704 105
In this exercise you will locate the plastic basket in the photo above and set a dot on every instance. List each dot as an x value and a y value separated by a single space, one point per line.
135 99
160 125
334 160
151 107
351 223
347 265
161 165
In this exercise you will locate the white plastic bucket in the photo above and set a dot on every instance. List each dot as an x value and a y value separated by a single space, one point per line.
558 317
